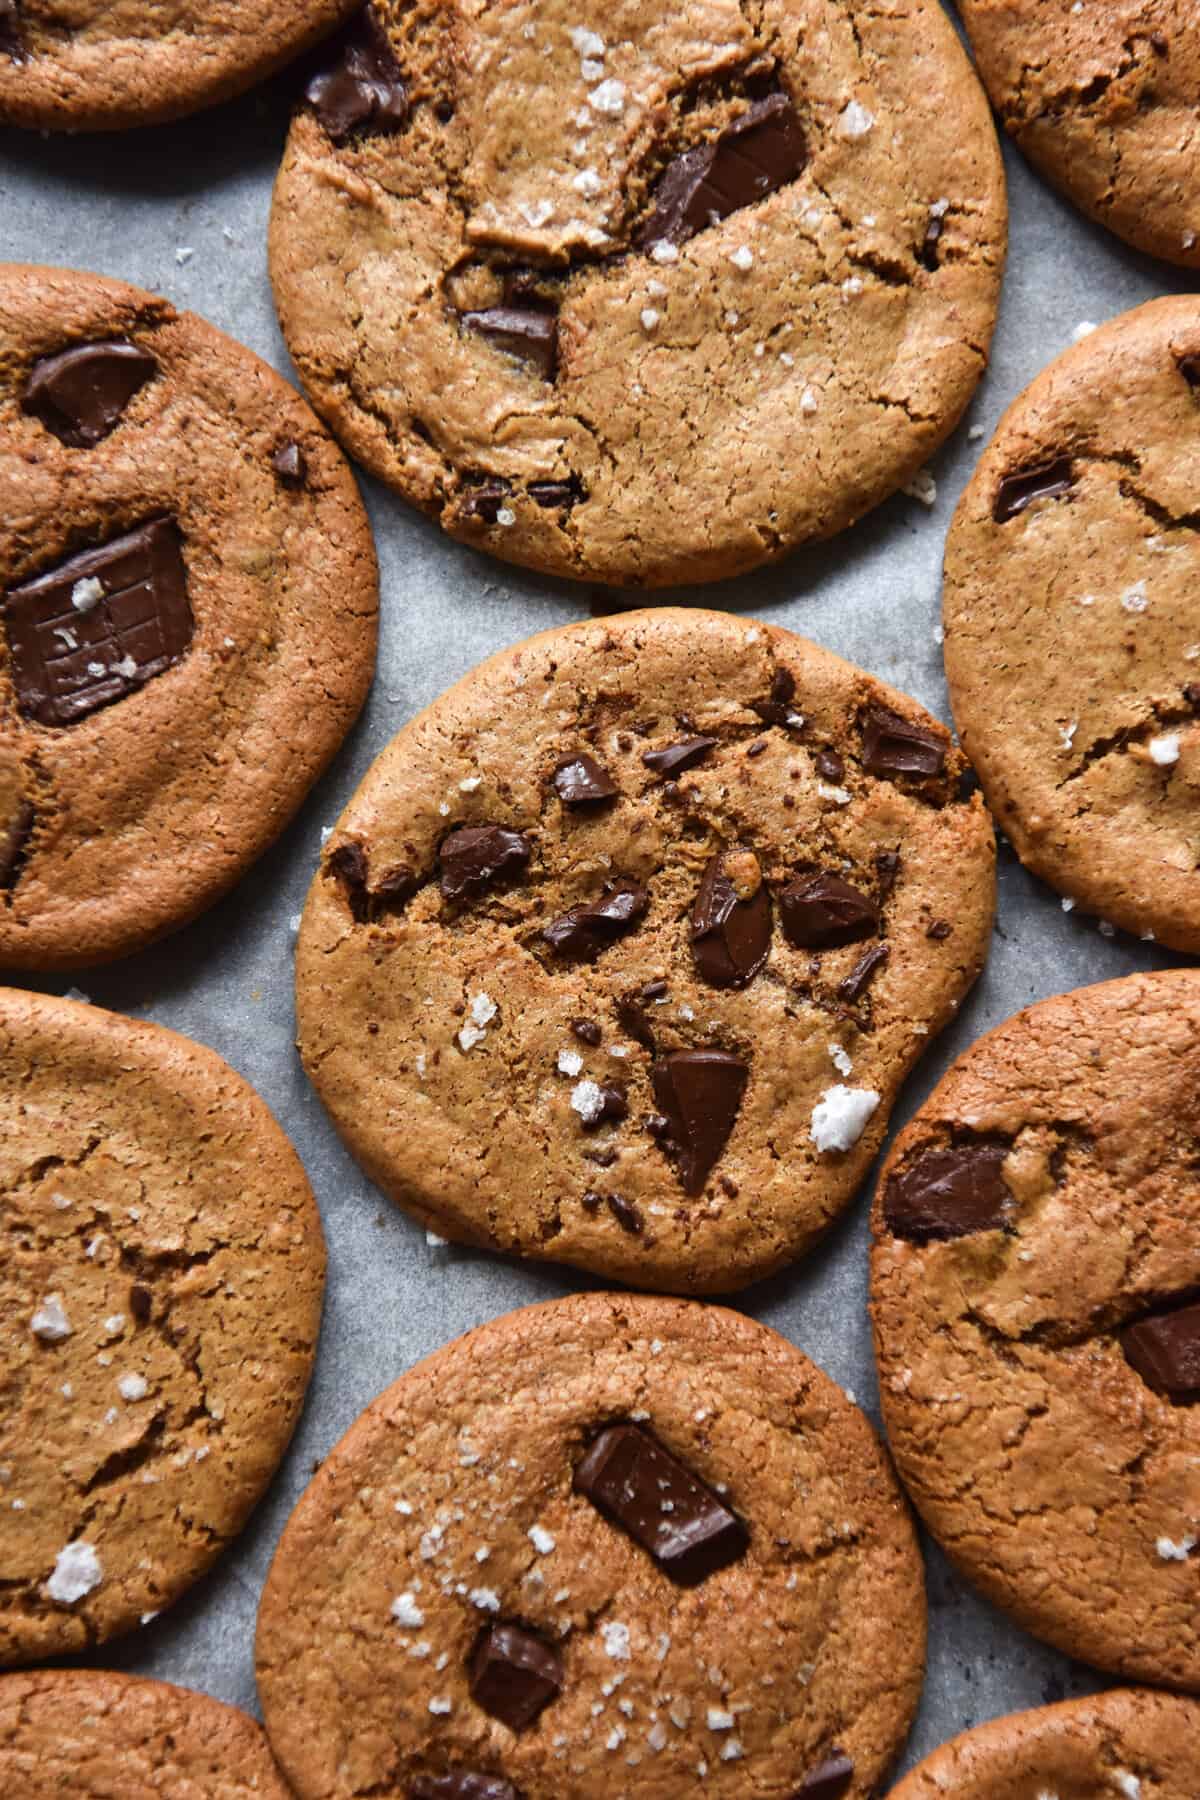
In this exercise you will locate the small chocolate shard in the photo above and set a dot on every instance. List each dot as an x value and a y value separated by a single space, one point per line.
625 1213
559 494
1046 481
823 912
291 465
830 766
513 1674
893 745
777 708
579 780
673 759
461 1784
949 1193
939 931
700 1093
887 867
927 255
363 90
99 626
762 150
527 333
730 929
829 1780
635 1481
81 394
141 1302
583 932
587 1031
863 973
1165 1351
474 857
631 1014
15 834
614 1106
484 499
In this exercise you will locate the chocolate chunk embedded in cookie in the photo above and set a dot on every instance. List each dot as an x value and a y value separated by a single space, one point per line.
675 982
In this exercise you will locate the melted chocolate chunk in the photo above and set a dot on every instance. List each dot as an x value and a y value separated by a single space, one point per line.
777 709
625 1213
1020 489
347 863
614 1107
461 1784
474 856
587 1031
822 912
513 1674
761 151
364 88
700 1093
637 1483
528 333
895 746
731 936
141 1302
580 781
631 1013
863 973
583 932
99 626
829 1780
80 394
948 1194
927 255
291 465
14 843
1165 1351
675 758
557 493
483 499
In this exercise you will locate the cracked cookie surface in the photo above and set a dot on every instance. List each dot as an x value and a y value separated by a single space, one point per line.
456 1503
1127 1744
162 1277
1105 100
94 1734
1071 639
92 65
1037 1230
620 952
640 294
188 600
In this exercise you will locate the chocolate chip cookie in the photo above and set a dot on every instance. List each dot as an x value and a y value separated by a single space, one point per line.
83 65
1105 100
92 1735
611 1545
648 296
1034 1290
160 1294
1072 642
188 599
623 948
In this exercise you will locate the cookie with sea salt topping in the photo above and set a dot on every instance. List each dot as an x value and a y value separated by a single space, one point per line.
1035 1280
92 1735
607 1545
87 66
188 599
643 295
622 949
1127 1744
160 1295
1072 638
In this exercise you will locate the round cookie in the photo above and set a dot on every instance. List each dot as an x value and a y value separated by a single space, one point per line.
602 1545
1105 100
622 949
1071 640
643 295
1034 1282
89 65
1120 1745
161 1295
92 1734
188 599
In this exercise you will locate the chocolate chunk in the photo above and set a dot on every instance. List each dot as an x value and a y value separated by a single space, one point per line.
10 32
527 333
81 393
1165 1351
927 255
474 856
731 934
591 1201
1189 368
895 746
654 990
863 973
822 912
291 465
587 1031
948 1193
631 1013
830 766
557 493
141 1302
364 89
761 151
1020 489
887 867
14 844
675 758
98 626
777 709
625 1213
484 499
347 863
461 1784
513 1674
637 1483
580 781
829 1780
940 930
700 1091
614 1107
583 932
